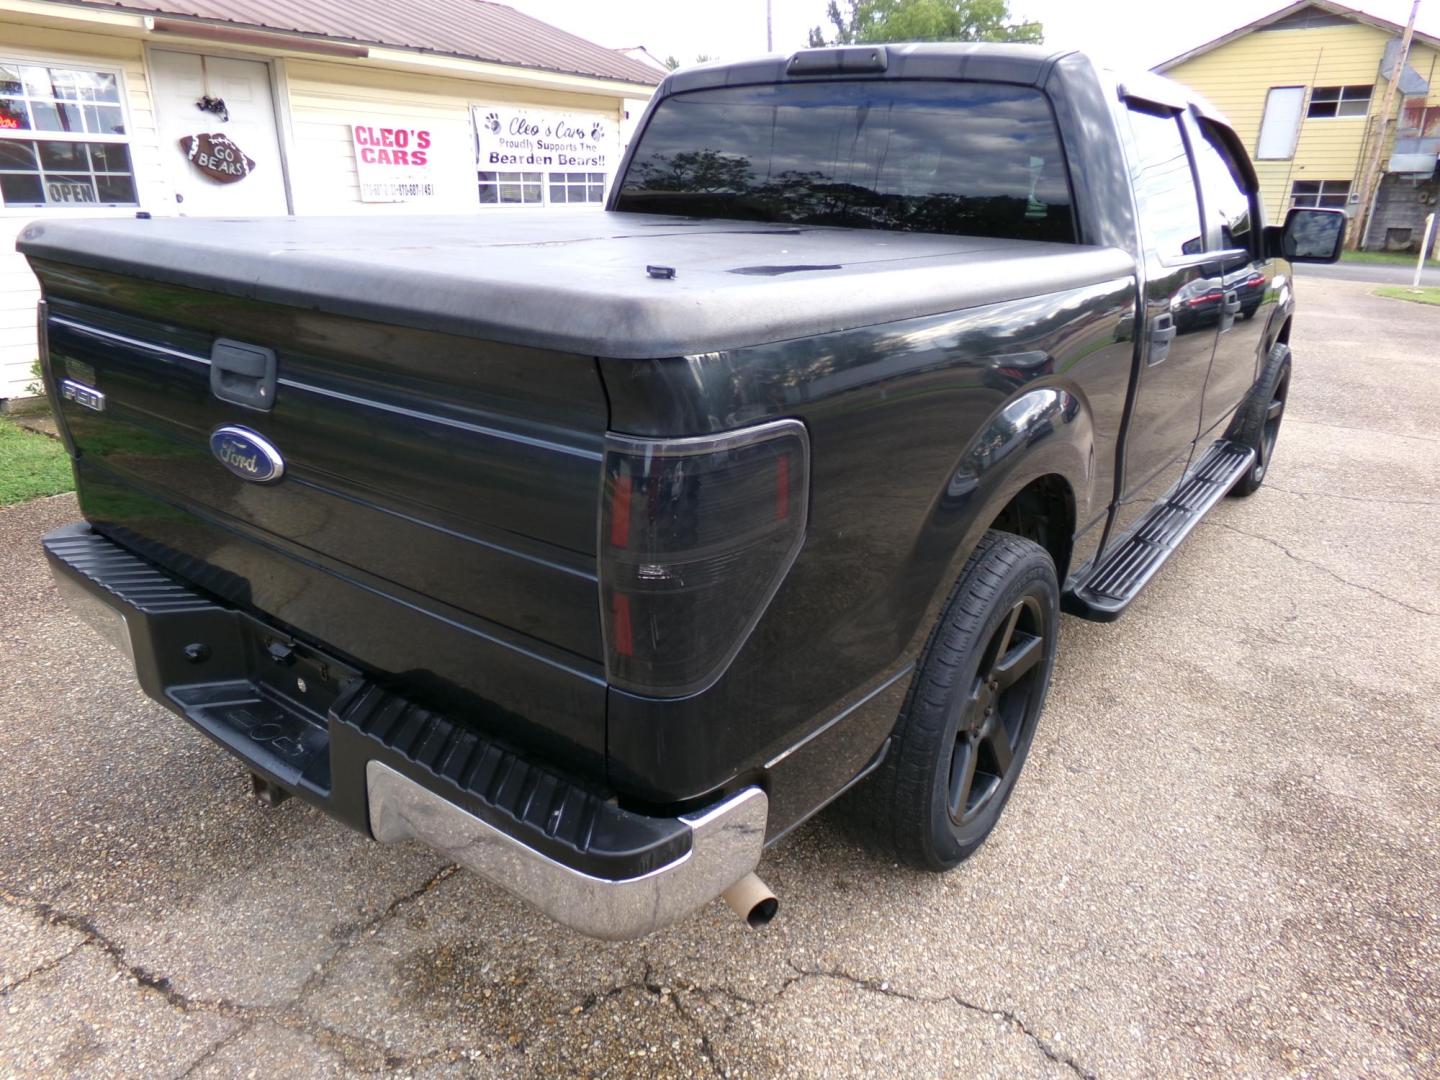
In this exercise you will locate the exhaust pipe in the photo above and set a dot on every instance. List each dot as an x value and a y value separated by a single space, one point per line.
752 900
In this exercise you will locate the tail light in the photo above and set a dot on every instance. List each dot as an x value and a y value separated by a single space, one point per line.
696 535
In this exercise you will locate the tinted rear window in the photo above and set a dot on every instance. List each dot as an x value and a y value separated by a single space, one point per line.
975 159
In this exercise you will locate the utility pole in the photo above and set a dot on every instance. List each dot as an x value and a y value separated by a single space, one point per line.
1370 178
770 36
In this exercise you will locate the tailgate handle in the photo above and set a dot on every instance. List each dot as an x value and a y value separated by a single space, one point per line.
243 374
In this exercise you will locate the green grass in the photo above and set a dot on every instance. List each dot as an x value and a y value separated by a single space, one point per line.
1381 258
31 465
1426 294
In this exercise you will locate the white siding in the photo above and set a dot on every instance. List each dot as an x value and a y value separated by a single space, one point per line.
19 291
325 99
317 102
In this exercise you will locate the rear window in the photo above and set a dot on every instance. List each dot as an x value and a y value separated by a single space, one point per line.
974 159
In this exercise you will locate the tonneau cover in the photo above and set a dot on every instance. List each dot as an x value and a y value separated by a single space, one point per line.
577 281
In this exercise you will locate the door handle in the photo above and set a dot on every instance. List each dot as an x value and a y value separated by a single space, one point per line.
1230 309
243 374
1162 333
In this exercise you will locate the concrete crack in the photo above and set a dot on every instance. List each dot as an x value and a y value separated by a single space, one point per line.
352 1049
1011 1018
648 984
1322 567
48 965
215 1047
1368 499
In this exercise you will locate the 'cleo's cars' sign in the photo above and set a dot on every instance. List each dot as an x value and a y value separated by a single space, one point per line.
507 138
393 162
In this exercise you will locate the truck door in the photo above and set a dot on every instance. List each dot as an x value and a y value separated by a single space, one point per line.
1183 302
1228 193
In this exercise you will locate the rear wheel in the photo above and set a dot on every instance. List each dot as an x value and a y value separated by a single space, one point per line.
1258 423
963 735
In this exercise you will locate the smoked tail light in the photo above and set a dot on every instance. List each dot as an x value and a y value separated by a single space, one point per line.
696 535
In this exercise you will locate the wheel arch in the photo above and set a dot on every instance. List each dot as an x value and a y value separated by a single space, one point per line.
1030 466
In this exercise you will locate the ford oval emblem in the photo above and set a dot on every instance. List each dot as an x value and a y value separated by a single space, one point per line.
247 455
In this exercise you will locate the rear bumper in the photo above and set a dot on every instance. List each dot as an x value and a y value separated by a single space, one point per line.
316 727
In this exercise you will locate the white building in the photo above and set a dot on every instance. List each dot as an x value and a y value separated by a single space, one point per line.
243 107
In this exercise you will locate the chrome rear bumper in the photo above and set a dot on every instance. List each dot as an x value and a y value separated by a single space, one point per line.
726 842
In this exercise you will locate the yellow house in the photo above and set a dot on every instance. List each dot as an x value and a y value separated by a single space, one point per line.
1304 87
256 107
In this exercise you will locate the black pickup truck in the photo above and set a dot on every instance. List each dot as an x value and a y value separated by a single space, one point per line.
599 549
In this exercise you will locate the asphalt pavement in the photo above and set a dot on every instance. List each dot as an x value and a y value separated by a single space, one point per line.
1223 857
1374 273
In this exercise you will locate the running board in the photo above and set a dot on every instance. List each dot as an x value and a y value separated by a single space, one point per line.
1124 572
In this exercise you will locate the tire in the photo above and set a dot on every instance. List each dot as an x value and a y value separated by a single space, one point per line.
975 700
1257 424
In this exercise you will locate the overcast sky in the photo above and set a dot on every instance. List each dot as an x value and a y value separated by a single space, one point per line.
1119 33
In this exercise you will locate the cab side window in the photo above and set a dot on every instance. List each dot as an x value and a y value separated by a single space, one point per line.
1228 200
1164 185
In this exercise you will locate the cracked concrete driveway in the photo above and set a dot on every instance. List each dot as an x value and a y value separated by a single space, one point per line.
1222 858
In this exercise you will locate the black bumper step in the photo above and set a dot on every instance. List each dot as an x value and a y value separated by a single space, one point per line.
1120 576
311 724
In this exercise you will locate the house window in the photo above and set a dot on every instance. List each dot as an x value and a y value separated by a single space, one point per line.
1281 124
62 138
577 188
1339 101
512 188
1332 194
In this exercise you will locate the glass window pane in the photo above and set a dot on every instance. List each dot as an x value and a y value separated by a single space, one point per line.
37 82
106 87
15 154
17 189
1227 196
1306 187
486 177
9 79
975 158
64 189
66 84
1354 107
597 193
532 193
487 194
530 177
597 177
110 157
63 155
1164 186
557 193
14 116
70 117
116 189
1326 93
509 193
46 116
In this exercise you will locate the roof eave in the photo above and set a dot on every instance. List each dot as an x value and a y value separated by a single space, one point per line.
1275 16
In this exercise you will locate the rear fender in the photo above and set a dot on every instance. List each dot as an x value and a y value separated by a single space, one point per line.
1045 431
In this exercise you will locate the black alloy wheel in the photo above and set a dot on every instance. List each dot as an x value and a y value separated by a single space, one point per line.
1257 423
1270 429
996 717
974 703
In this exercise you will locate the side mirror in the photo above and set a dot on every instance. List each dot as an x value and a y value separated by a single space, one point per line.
1309 235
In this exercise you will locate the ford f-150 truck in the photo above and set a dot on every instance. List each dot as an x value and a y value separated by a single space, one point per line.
599 549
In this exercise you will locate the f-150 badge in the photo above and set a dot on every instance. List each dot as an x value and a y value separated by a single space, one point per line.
247 455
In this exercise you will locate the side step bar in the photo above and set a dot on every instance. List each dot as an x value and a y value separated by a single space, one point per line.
1119 578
